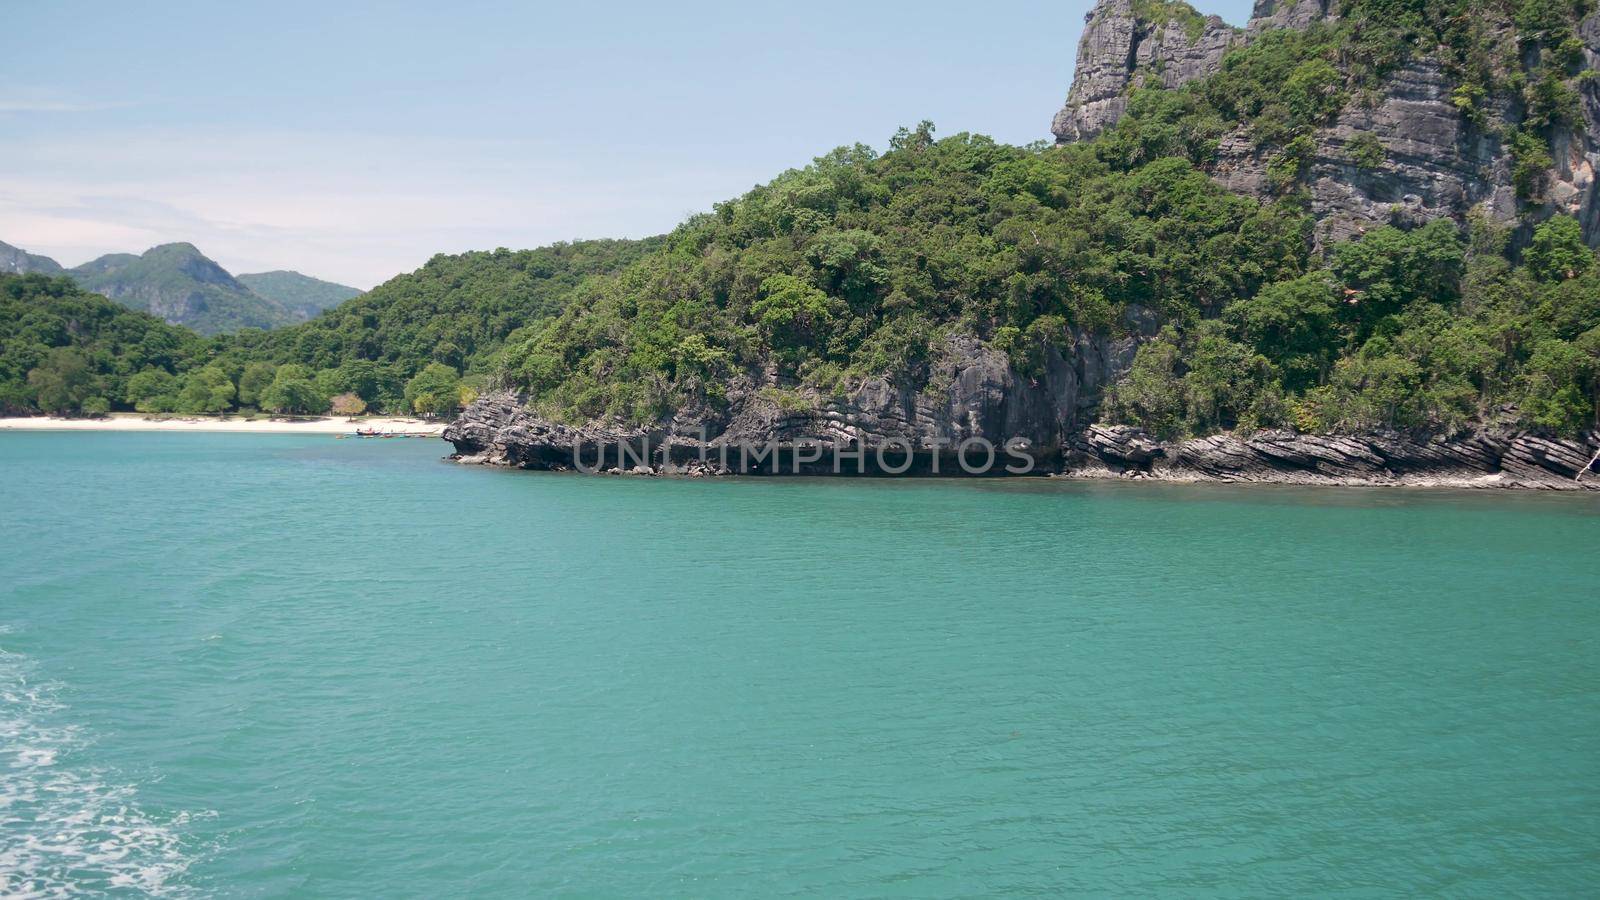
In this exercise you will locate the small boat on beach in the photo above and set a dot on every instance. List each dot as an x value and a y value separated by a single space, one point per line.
375 433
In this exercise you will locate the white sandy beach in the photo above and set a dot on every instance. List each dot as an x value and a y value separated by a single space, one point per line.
136 422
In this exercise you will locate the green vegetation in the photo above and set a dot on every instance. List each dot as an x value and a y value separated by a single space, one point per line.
179 284
1367 151
1173 12
300 294
63 350
864 265
1284 84
860 264
455 311
1402 330
388 350
856 266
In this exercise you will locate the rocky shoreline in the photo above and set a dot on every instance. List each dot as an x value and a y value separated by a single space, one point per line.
1486 458
497 430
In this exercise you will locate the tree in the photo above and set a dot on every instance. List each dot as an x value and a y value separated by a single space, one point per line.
1561 381
63 382
152 391
1531 162
292 391
370 381
1294 324
435 391
254 380
1376 388
14 398
206 390
1151 395
347 405
1391 268
1558 251
1224 381
907 139
793 315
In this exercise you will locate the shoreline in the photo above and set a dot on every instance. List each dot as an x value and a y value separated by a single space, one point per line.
1485 482
335 425
497 430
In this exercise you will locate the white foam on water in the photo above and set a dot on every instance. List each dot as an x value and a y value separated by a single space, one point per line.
69 829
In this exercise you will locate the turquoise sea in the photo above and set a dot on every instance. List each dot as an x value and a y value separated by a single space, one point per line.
264 666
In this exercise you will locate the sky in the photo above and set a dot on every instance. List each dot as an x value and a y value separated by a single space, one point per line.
353 141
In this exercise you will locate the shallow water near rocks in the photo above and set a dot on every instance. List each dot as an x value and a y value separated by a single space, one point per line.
269 665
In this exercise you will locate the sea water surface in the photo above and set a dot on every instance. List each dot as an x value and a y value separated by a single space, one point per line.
264 666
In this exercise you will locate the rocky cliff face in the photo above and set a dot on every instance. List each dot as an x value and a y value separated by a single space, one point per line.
969 391
1485 457
1270 14
986 402
1121 44
972 392
16 261
1435 162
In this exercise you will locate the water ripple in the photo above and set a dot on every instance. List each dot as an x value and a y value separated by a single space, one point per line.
68 828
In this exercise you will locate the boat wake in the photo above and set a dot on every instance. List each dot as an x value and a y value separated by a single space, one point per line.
68 829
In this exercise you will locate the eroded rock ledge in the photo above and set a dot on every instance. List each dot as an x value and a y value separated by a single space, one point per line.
498 430
1477 458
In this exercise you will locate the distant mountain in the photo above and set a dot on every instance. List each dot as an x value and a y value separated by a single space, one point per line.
300 294
20 262
180 284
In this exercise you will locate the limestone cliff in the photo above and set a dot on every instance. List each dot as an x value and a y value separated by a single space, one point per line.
1124 41
1269 14
1428 157
968 390
987 401
17 261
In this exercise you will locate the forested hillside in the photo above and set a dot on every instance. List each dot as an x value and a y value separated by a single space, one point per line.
864 266
181 285
860 266
64 350
420 342
1176 303
300 294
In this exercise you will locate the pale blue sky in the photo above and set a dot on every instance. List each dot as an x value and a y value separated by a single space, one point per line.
354 143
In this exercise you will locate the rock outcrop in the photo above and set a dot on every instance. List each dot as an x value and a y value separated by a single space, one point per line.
1270 14
16 261
1435 161
499 430
1119 45
1435 164
1484 457
969 391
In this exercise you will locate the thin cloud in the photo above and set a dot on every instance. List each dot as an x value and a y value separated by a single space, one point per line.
351 207
21 106
16 104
